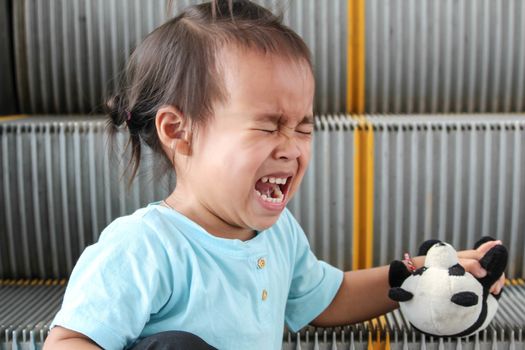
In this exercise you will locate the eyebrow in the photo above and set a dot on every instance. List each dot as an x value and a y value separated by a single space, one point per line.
275 118
308 119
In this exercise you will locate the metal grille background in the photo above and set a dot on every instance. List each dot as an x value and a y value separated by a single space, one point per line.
452 178
431 56
422 56
68 52
8 102
59 189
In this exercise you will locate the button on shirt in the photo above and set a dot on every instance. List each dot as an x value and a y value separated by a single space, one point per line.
261 263
156 270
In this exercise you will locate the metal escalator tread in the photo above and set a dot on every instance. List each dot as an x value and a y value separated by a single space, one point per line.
27 307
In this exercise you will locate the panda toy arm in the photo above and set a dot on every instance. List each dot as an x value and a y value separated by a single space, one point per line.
465 299
456 270
399 294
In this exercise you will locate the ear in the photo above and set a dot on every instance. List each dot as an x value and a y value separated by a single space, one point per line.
173 129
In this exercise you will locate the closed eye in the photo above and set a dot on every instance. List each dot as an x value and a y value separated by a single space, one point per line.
269 131
305 129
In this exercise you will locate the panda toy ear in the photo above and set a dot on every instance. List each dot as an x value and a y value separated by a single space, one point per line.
398 273
426 245
494 262
484 239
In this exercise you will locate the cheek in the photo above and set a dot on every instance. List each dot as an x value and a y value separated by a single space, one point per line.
243 161
306 153
304 160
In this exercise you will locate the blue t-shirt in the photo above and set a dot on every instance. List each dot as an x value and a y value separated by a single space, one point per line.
156 270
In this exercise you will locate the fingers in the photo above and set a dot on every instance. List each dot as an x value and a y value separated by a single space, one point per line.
470 254
498 285
485 247
478 253
472 265
469 259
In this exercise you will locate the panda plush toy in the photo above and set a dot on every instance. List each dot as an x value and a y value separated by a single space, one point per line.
442 299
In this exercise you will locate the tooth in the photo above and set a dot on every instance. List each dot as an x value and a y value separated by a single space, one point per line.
264 179
259 193
264 197
272 180
281 181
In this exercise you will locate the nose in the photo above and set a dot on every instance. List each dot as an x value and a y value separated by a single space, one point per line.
287 149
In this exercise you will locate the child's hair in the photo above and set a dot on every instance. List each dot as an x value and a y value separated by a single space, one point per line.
176 65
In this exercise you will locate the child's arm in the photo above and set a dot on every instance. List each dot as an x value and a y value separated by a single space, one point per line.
364 293
63 338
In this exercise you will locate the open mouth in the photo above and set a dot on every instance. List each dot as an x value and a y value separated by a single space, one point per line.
273 189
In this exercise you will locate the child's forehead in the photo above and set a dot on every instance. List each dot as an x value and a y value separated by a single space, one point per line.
232 58
265 84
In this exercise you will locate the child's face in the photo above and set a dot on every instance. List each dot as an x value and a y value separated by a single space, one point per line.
262 133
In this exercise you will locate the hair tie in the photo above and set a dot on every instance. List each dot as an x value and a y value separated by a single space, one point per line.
128 114
409 262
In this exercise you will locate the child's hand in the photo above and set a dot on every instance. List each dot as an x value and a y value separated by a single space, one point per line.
469 259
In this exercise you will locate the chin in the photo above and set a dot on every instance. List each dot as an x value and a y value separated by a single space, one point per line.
262 225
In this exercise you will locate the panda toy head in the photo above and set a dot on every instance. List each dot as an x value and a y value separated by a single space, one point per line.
442 299
441 255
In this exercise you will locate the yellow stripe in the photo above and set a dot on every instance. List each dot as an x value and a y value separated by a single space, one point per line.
363 235
355 57
364 142
383 322
370 345
387 340
6 118
378 344
32 282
